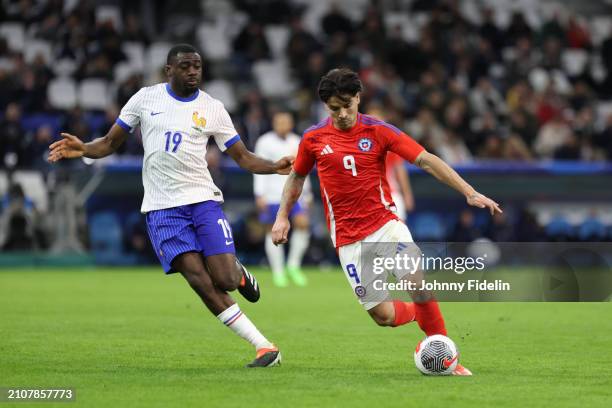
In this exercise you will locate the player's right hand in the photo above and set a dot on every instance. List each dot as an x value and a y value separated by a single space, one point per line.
283 166
481 201
280 231
70 147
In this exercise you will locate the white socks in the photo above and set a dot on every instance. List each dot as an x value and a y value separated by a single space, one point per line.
233 318
298 244
276 256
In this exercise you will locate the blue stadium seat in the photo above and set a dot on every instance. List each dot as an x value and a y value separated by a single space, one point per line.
428 226
31 123
106 238
592 229
559 229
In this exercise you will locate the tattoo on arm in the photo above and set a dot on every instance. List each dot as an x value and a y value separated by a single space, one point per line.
291 192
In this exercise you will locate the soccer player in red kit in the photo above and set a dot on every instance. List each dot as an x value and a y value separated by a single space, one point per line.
349 150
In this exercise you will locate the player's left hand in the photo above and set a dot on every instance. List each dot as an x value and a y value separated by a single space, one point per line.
481 201
283 166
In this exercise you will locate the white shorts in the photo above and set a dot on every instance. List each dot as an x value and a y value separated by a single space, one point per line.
351 258
400 206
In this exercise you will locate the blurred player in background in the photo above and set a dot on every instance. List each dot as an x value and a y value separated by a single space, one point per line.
186 223
397 176
349 150
268 189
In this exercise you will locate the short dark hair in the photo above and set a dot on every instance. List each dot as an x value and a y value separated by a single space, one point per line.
339 82
179 49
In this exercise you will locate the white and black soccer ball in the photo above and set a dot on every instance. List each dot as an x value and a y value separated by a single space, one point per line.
436 355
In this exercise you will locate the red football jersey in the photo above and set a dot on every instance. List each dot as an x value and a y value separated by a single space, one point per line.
351 167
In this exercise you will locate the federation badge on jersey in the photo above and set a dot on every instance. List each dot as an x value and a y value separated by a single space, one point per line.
365 144
198 121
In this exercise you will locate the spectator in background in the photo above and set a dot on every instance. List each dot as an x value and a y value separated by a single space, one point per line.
373 31
482 127
516 149
76 122
524 59
527 227
603 140
251 44
133 31
32 91
569 150
38 148
554 134
518 29
500 229
426 129
253 117
492 148
312 71
452 149
524 125
338 53
552 29
300 46
128 88
12 137
577 35
335 21
17 220
484 98
489 30
465 229
108 42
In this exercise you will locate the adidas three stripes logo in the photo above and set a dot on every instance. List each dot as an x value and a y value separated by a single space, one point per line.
326 150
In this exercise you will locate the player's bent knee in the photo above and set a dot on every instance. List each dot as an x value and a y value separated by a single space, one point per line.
229 281
382 318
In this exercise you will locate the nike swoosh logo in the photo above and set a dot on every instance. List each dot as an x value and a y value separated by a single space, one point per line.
447 363
155 113
229 242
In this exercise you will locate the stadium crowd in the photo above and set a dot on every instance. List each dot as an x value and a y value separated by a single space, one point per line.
467 90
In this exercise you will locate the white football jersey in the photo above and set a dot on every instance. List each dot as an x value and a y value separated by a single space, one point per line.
175 132
273 147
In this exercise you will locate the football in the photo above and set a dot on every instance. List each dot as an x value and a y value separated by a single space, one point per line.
436 355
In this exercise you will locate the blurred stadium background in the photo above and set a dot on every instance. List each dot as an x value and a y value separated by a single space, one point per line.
516 95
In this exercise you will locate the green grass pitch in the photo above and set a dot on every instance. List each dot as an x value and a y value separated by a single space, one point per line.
136 338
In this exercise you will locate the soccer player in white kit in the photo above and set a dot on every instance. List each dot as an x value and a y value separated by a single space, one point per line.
268 189
185 221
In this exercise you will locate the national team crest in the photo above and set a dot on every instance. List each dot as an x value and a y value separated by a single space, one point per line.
198 121
365 144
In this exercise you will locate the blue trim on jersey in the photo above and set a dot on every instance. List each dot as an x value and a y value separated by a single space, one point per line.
369 120
180 98
317 126
124 125
232 141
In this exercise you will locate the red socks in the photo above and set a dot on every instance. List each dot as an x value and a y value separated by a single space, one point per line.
404 312
429 317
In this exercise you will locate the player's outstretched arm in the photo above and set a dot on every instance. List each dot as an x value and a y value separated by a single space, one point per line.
256 164
71 147
291 193
443 172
